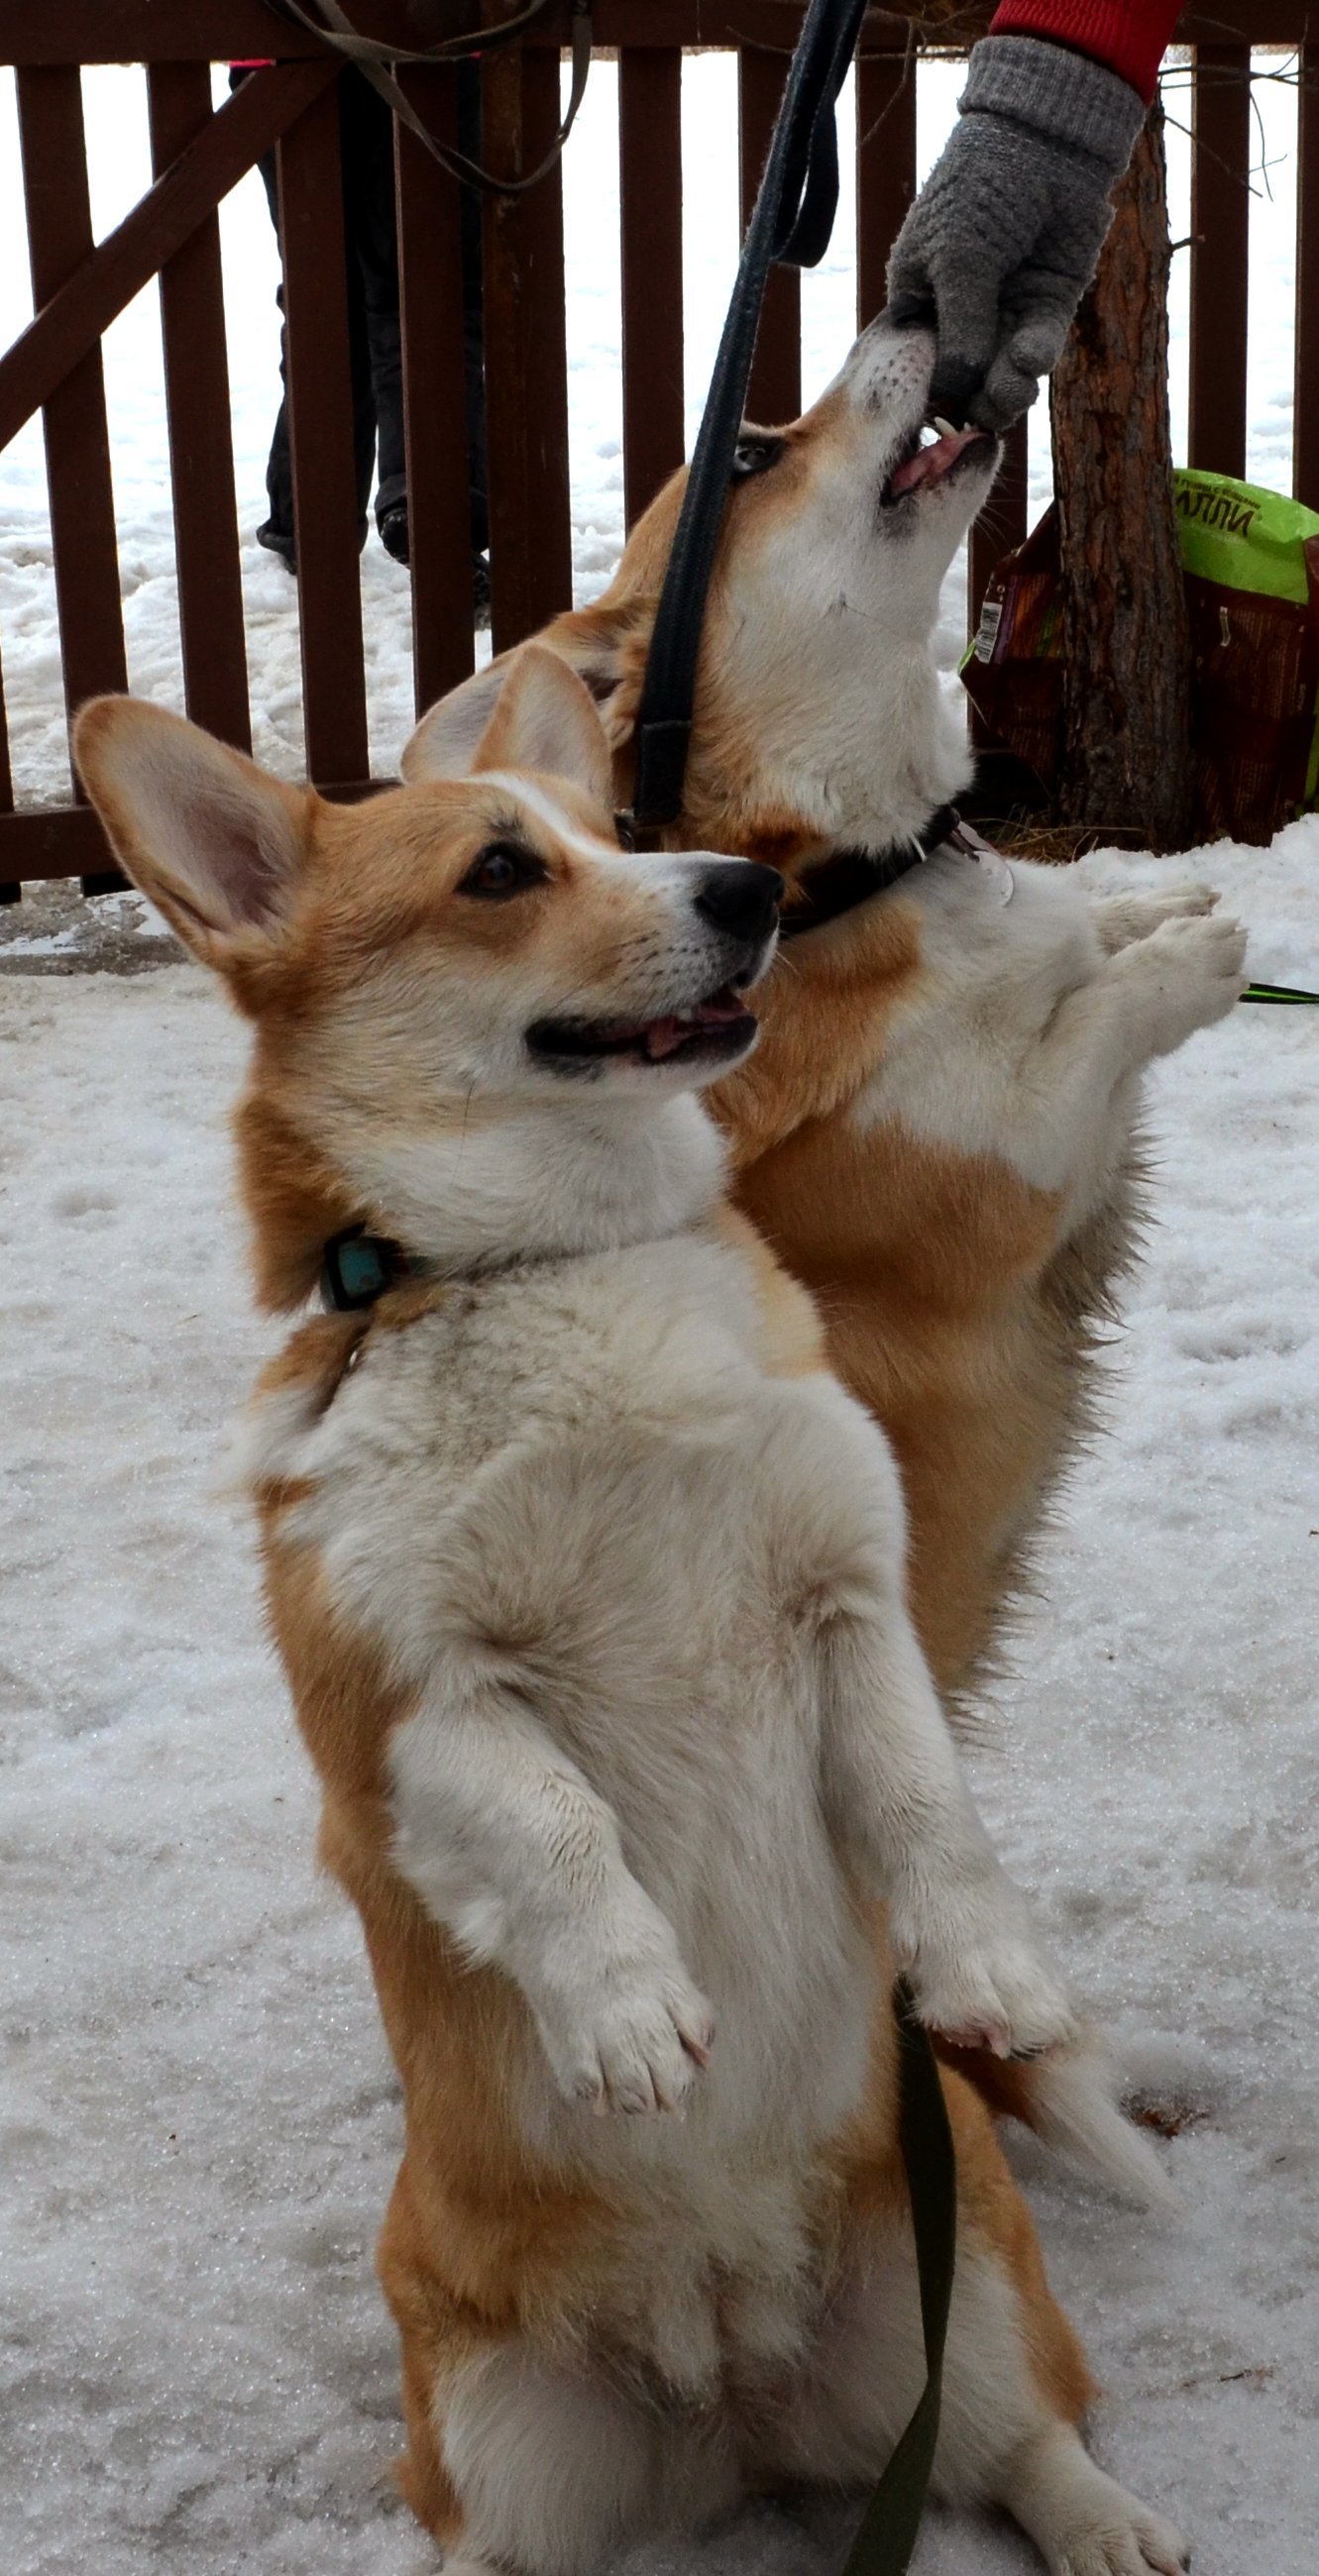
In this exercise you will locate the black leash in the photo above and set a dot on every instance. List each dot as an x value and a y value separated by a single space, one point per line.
887 2536
376 64
790 227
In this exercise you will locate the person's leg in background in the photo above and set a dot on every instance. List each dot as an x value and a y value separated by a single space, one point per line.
277 532
373 244
366 130
371 234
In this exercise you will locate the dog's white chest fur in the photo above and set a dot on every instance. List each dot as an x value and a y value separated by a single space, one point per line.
578 1475
970 1067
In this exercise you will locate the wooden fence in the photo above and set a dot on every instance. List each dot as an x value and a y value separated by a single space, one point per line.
199 153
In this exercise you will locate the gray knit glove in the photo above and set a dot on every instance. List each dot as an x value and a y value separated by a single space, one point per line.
1004 236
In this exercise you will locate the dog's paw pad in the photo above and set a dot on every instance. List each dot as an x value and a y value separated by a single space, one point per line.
638 2051
1007 2003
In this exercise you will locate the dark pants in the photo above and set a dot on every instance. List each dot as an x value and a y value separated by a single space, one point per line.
366 140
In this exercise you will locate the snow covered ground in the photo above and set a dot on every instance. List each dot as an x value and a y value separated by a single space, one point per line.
199 2124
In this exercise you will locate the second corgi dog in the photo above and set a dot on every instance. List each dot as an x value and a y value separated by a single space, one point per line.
588 1580
936 1130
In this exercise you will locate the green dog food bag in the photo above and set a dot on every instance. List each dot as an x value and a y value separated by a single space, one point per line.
1251 562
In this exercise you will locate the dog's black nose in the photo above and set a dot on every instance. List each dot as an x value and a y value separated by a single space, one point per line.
741 897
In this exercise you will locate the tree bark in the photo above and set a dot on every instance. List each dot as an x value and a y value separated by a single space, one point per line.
1126 758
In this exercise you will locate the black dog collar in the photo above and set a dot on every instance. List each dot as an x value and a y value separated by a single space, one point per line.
851 877
357 1268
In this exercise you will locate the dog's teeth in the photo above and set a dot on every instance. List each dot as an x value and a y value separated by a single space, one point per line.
945 427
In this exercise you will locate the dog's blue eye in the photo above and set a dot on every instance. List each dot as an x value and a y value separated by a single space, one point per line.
755 456
501 870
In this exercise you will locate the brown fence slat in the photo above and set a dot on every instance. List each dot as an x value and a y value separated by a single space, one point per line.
67 841
526 356
885 170
82 518
431 300
1305 426
77 438
650 169
118 31
774 393
321 443
200 433
1220 258
55 841
108 277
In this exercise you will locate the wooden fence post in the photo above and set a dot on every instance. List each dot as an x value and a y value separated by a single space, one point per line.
1126 755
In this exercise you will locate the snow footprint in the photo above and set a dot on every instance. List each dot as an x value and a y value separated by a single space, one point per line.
81 1202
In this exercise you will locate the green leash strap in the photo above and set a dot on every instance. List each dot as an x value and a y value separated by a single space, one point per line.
1277 993
887 2536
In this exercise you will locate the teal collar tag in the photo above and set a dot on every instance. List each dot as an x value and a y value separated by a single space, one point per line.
357 1268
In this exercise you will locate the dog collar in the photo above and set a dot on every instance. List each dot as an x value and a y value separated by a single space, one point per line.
357 1268
851 877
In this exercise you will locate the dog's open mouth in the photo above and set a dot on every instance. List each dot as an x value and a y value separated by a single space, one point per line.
926 461
716 1028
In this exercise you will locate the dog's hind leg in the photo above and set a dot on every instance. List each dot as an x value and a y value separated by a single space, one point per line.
555 2467
528 2460
1015 2383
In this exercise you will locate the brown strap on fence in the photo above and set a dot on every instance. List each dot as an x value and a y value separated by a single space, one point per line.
375 62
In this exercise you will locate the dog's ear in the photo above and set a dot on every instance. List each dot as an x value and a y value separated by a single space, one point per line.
546 719
606 648
444 744
213 841
529 710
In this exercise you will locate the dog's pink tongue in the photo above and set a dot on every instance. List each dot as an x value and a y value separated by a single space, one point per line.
663 1036
931 462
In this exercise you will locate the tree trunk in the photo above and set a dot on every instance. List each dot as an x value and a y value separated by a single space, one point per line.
1126 758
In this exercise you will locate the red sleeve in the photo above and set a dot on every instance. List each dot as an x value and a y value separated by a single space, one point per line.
1128 35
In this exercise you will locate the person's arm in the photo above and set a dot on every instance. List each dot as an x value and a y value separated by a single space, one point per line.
1004 236
1130 36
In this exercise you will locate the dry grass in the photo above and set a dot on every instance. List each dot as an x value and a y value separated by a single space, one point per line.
1054 845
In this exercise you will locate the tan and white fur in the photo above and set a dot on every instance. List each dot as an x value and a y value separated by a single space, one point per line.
936 1133
588 1578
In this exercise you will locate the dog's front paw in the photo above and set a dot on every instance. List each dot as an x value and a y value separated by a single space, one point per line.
977 1978
1121 919
633 2038
1187 974
1187 901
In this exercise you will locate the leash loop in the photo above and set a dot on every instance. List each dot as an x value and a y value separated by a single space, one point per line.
790 225
376 64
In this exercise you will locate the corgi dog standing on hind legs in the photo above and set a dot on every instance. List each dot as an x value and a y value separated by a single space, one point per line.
588 1579
939 1129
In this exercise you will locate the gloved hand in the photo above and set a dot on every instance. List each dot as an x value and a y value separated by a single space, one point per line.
1004 236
